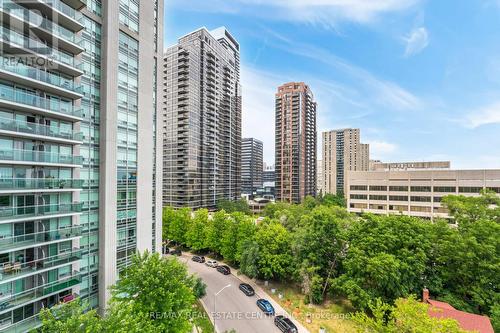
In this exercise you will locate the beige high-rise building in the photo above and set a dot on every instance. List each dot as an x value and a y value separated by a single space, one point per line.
342 152
319 175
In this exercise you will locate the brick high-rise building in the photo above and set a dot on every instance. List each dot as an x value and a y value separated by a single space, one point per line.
295 142
202 120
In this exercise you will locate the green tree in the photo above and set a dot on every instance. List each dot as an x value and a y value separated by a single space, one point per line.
70 318
196 234
319 245
215 227
230 206
333 200
153 284
176 224
275 256
407 316
250 259
386 258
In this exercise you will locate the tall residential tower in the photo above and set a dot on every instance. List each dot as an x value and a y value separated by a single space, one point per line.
202 120
295 142
252 165
78 187
342 153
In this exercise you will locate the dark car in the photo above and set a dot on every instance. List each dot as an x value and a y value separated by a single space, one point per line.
247 289
176 252
265 306
224 269
199 259
285 325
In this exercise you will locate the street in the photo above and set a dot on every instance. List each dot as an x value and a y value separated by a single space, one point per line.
234 309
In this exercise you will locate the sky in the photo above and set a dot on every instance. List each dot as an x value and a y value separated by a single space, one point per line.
420 78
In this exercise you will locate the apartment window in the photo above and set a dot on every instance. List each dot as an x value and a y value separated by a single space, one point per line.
378 197
466 189
398 208
378 188
420 209
398 188
359 187
437 199
445 189
420 199
398 198
359 196
420 188
129 14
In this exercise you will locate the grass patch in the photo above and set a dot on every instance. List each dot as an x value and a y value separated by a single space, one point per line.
333 315
201 319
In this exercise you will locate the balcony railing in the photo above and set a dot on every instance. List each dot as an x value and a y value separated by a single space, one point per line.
36 19
39 183
64 8
8 213
18 96
17 67
15 38
39 237
39 157
37 292
17 269
21 126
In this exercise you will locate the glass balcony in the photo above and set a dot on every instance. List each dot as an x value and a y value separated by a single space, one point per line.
9 213
37 20
15 38
39 183
18 96
21 126
19 68
17 269
22 326
27 296
39 157
64 8
39 237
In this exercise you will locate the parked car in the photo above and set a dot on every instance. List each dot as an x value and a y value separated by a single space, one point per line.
199 259
247 289
224 269
176 252
211 263
285 325
265 306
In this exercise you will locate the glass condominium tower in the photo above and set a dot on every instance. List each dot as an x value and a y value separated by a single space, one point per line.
80 175
202 120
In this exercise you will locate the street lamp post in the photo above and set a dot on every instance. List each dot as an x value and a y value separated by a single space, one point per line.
215 299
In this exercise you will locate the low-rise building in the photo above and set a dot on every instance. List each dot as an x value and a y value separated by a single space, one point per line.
415 192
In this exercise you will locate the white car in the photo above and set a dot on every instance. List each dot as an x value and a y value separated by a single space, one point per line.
211 263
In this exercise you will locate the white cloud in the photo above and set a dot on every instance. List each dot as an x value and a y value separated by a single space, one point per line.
381 150
385 93
483 116
258 107
416 41
322 12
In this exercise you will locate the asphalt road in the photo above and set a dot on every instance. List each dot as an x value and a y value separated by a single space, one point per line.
233 309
